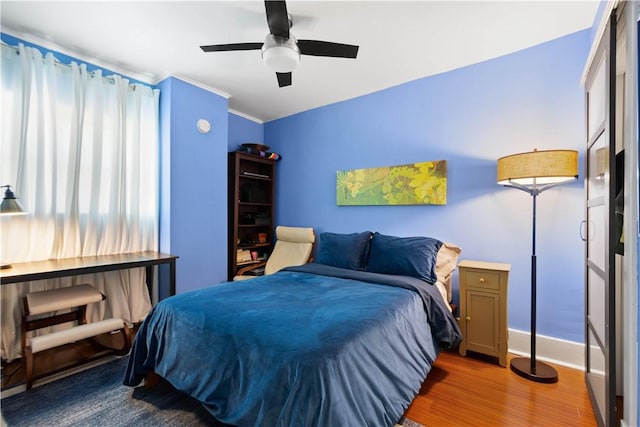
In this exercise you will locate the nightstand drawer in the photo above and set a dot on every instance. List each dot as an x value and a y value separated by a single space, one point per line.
483 279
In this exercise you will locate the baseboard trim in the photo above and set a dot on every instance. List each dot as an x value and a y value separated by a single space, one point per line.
548 349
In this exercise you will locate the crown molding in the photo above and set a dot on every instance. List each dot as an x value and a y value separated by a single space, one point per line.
246 116
198 84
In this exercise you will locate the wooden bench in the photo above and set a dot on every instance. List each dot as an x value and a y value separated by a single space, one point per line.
37 304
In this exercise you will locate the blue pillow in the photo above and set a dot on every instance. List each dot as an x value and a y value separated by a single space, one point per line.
343 250
404 256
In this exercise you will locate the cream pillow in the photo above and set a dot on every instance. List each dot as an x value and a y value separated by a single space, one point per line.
447 260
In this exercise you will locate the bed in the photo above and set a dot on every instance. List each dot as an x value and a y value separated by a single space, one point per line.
320 344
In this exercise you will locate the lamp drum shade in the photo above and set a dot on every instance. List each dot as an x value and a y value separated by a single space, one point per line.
538 167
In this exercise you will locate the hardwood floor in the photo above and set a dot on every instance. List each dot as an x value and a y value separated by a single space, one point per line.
476 391
459 391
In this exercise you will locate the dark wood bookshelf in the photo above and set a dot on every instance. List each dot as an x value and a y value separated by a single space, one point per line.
251 184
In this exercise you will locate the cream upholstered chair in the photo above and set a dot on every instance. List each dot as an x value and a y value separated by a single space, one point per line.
293 247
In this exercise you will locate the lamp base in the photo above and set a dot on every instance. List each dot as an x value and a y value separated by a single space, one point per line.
543 373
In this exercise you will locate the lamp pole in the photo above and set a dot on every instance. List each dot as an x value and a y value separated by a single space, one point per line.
534 195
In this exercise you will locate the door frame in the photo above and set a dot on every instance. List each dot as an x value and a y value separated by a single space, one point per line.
631 268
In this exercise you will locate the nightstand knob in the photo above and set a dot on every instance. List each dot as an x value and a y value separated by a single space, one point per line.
468 317
482 280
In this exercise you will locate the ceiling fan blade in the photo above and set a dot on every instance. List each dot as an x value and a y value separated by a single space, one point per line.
231 46
320 48
284 79
277 18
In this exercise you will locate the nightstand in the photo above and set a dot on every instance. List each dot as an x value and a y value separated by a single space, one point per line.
483 308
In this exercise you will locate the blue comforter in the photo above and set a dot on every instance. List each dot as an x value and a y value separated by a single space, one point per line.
308 346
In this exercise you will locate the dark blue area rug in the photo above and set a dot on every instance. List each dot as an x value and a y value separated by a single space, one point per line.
97 397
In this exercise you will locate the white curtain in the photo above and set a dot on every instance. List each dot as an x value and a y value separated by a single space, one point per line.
81 151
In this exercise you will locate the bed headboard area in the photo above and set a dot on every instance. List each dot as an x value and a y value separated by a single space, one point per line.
425 258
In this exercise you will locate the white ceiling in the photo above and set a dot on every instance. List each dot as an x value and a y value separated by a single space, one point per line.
399 41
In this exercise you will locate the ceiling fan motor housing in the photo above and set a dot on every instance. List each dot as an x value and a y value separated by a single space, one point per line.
280 54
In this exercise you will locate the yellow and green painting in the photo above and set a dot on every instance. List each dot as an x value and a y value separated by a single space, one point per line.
422 183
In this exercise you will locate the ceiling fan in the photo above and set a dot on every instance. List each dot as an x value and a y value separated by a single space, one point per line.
281 50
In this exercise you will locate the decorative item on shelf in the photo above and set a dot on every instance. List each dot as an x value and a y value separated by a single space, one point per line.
243 255
255 146
10 206
259 150
255 175
533 173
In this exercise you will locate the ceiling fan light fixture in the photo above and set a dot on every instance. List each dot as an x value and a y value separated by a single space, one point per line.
279 54
280 50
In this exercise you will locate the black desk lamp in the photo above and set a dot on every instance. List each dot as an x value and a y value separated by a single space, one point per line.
535 172
10 206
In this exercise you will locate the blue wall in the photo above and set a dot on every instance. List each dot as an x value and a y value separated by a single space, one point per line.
193 220
243 130
469 117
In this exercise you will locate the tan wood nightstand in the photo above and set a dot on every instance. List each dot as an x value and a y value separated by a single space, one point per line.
483 308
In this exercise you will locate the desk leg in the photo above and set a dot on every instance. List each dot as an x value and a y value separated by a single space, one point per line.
162 291
172 277
149 280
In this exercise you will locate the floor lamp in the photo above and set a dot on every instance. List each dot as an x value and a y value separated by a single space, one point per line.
10 206
535 172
